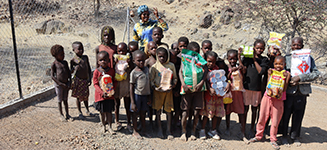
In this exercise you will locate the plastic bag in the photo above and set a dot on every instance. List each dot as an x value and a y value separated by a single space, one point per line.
275 86
106 85
165 81
121 66
301 62
218 82
237 83
275 39
227 99
247 51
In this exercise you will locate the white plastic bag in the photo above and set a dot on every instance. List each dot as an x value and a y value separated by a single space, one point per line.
301 62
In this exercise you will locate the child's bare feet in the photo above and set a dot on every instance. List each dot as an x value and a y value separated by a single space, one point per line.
137 135
69 118
62 118
169 135
192 137
183 137
118 126
112 132
227 132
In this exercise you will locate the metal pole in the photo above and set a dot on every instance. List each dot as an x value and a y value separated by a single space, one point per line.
127 19
15 48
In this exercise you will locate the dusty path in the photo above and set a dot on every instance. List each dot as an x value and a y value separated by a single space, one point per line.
38 127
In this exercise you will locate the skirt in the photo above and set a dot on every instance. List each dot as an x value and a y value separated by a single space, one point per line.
107 105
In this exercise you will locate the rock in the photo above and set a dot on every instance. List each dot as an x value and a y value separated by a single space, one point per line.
73 16
206 21
216 27
217 45
206 35
214 34
54 26
82 34
223 35
238 40
237 25
169 1
322 65
206 4
193 31
227 15
41 27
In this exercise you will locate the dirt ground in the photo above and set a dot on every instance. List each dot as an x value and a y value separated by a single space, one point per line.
38 127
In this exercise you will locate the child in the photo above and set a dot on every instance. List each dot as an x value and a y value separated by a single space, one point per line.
162 97
157 35
80 67
237 105
103 102
122 89
107 44
182 44
139 91
133 46
297 94
214 106
152 51
206 46
192 93
272 107
176 95
253 70
60 74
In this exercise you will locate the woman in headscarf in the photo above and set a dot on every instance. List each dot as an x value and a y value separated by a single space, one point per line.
107 44
143 29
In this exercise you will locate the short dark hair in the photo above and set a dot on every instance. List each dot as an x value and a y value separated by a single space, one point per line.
210 53
193 45
300 39
259 41
160 29
55 49
161 49
206 41
133 43
104 53
138 52
122 43
280 58
172 45
77 42
232 51
183 39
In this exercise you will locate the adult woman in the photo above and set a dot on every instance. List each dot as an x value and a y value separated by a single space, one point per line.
143 29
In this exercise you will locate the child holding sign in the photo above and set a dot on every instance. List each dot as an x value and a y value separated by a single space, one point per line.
272 101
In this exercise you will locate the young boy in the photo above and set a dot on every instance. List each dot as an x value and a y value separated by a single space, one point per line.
152 47
139 91
60 74
176 95
157 35
182 44
133 46
80 66
174 47
193 94
162 97
296 95
206 46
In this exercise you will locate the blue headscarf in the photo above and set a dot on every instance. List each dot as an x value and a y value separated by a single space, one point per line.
142 9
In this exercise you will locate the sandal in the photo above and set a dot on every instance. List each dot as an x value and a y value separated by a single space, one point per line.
253 140
275 145
119 126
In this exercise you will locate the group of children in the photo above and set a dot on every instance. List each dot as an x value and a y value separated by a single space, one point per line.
177 81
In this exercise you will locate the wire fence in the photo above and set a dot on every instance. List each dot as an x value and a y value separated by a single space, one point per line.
39 24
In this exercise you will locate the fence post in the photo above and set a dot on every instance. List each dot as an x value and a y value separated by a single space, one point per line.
127 19
15 48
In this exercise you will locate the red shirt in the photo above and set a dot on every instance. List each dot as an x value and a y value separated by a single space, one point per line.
98 91
111 50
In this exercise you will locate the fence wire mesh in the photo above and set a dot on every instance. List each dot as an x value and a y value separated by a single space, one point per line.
39 24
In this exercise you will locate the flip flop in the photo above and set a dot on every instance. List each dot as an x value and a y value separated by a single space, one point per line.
275 145
119 126
253 140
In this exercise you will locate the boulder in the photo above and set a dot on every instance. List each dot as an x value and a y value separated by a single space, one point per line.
237 25
206 21
206 35
216 27
169 1
227 16
50 27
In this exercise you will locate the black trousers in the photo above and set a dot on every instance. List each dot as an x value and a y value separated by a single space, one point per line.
294 106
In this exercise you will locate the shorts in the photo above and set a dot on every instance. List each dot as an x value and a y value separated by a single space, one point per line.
107 105
62 93
163 99
252 98
194 100
141 102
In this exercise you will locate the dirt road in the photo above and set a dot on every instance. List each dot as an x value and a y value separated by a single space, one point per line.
38 127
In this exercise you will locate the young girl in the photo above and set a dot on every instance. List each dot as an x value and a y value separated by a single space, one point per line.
80 67
104 102
122 88
253 69
107 44
237 105
214 106
272 107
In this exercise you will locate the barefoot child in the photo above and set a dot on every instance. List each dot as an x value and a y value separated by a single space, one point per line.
80 67
107 44
163 95
237 105
182 44
139 91
214 106
123 71
273 107
104 102
206 46
253 69
192 75
60 74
